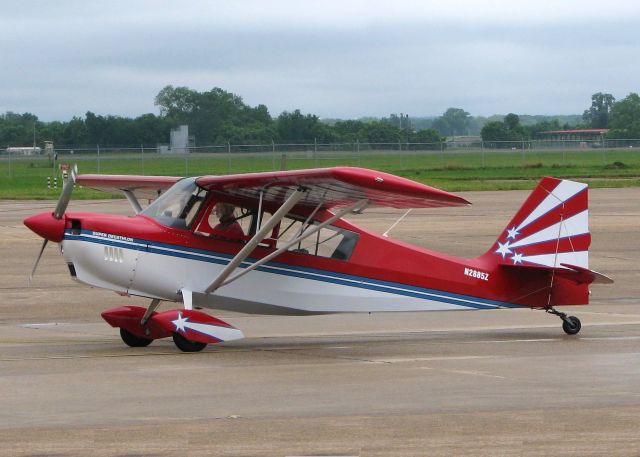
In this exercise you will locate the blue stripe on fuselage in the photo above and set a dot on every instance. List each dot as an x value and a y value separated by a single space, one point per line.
293 271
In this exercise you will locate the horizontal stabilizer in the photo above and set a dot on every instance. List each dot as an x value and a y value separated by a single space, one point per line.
595 277
573 273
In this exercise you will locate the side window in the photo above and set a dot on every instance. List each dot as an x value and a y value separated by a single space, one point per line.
329 241
223 220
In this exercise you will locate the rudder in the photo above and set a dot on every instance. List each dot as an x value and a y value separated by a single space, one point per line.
550 229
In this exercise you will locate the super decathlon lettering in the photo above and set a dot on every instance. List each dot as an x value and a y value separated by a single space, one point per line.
113 237
476 274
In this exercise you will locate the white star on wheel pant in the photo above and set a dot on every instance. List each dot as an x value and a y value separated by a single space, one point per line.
180 323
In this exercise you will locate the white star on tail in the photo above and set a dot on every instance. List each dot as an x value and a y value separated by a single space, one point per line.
517 258
503 249
180 323
512 233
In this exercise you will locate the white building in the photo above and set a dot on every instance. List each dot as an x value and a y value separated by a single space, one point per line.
179 142
24 150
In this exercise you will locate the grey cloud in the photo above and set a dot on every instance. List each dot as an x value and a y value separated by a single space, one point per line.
76 57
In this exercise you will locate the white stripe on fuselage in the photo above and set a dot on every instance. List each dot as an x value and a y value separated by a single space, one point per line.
162 274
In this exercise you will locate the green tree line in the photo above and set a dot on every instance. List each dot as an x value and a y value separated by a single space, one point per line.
213 117
622 118
217 117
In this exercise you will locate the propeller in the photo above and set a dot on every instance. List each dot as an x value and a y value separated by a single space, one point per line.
63 201
44 244
58 213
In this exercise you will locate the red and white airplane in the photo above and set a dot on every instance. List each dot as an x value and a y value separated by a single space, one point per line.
277 242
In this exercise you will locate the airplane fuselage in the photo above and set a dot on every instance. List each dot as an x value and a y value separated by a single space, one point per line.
139 256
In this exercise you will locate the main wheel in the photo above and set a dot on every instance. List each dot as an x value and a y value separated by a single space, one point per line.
132 340
186 345
571 325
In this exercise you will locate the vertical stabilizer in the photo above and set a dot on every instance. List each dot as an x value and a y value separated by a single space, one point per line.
549 230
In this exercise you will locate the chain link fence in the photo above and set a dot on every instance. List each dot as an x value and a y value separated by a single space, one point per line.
231 158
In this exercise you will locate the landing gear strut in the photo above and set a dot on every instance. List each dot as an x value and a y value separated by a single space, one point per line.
570 324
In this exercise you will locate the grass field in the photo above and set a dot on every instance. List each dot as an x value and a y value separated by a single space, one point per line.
26 177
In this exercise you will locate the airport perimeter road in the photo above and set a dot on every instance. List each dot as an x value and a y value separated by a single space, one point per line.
503 382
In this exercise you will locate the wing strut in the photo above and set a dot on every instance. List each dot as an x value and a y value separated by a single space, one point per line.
133 201
353 207
257 238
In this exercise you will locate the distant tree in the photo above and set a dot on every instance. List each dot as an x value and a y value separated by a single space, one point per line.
495 131
543 126
507 130
625 118
512 121
454 121
301 128
73 133
176 101
426 136
349 131
400 121
214 116
426 139
381 132
17 129
598 115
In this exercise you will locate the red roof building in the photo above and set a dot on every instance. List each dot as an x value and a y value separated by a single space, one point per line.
573 135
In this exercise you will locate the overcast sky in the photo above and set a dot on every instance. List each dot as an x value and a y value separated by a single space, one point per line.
344 59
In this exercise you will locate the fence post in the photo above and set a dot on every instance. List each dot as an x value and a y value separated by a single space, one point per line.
315 153
98 148
273 155
482 152
228 157
358 146
142 155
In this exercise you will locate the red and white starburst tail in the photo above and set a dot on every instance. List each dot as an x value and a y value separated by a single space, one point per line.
551 228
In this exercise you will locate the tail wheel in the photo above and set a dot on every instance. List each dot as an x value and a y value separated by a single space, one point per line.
571 325
186 345
133 340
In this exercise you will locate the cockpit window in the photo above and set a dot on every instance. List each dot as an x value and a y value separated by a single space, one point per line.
329 241
178 206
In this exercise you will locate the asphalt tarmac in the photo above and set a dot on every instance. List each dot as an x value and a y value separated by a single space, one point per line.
499 382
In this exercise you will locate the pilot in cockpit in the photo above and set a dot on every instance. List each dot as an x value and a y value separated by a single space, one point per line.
227 221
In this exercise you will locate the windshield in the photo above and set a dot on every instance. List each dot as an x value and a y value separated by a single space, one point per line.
178 205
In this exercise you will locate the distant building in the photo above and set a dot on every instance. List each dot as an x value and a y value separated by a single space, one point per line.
24 150
586 135
180 142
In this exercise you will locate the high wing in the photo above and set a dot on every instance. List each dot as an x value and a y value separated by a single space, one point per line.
325 188
330 187
350 189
